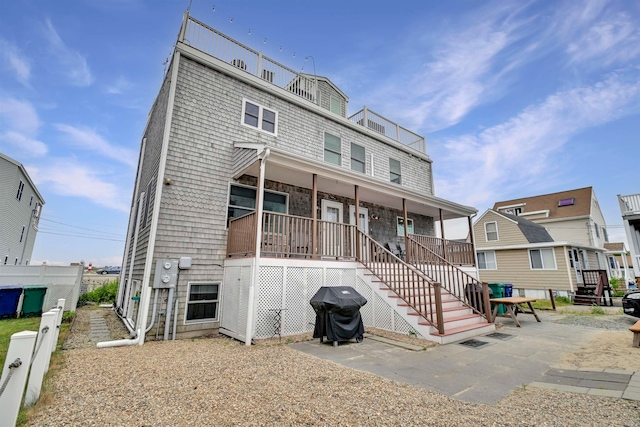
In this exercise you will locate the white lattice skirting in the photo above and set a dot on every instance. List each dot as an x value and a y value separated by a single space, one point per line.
289 284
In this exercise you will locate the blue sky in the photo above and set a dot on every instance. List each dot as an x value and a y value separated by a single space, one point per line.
515 99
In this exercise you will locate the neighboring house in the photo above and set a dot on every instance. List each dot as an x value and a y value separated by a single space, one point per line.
20 207
630 209
512 249
619 262
255 188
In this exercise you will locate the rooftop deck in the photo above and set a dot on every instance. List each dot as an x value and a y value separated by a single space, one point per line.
630 205
212 42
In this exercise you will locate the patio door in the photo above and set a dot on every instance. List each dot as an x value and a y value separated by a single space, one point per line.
332 232
578 263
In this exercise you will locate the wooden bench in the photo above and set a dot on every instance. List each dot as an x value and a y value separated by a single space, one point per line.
636 334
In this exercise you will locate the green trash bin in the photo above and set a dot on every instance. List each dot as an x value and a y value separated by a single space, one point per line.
498 292
33 300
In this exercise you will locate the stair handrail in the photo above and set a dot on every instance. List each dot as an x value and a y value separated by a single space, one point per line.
417 290
470 291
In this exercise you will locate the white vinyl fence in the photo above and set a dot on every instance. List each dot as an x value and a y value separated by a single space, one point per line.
28 358
63 282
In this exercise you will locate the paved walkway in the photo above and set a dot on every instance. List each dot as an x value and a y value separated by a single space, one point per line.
98 329
501 363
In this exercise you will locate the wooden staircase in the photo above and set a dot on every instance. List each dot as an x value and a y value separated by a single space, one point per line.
431 309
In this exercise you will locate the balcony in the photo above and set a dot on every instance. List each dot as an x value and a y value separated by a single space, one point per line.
630 205
212 42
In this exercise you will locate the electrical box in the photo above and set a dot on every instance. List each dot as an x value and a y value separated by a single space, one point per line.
185 263
166 274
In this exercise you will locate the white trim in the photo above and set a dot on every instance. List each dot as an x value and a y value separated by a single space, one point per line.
571 218
544 212
261 109
477 221
486 236
516 205
555 264
186 303
143 308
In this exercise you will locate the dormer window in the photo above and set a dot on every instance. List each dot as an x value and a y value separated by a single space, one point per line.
491 231
566 202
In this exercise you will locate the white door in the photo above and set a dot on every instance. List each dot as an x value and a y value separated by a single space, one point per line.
364 218
575 257
332 234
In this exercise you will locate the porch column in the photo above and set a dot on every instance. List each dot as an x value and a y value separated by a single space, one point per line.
472 240
256 263
407 246
444 245
357 197
314 215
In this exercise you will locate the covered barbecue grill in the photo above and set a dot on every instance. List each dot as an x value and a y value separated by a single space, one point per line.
338 314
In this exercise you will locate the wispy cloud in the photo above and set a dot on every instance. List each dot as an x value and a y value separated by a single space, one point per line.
19 125
74 65
120 86
69 178
89 139
515 153
16 61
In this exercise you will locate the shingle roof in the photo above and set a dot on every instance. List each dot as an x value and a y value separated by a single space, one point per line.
581 206
534 233
617 246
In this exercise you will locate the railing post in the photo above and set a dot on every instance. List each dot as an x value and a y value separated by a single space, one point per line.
357 212
443 242
314 215
258 73
16 365
41 359
365 117
56 331
437 293
487 303
407 248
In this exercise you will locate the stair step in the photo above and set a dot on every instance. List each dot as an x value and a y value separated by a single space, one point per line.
460 329
453 319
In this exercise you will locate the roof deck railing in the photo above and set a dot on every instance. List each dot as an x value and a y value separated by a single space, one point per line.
212 42
630 204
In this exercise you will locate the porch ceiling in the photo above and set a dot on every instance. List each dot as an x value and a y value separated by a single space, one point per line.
294 170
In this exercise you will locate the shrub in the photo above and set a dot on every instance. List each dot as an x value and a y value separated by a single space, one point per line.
104 294
597 310
68 316
565 300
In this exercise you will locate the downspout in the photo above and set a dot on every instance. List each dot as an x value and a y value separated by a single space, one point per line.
119 343
256 264
125 260
125 304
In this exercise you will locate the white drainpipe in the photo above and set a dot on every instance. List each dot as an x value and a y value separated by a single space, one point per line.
119 343
256 264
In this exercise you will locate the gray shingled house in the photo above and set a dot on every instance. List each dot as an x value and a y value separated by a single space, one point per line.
255 188
20 207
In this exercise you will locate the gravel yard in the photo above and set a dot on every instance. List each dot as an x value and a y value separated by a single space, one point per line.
217 381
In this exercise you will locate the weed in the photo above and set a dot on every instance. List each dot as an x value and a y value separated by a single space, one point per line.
597 310
103 294
68 316
412 333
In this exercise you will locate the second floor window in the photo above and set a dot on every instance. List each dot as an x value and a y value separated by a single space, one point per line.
332 149
357 158
491 231
256 116
395 175
20 190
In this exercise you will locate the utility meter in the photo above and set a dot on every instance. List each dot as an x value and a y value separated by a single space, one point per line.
166 274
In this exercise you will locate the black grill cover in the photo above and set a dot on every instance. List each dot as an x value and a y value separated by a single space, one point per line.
338 313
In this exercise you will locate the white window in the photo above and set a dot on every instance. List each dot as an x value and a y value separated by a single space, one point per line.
542 259
487 260
202 302
395 174
491 231
400 226
332 149
242 200
20 189
358 162
259 117
335 106
613 263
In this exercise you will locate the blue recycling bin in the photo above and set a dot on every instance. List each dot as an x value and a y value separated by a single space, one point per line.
508 290
9 298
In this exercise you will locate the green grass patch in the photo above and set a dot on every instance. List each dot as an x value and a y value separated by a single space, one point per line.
545 304
9 327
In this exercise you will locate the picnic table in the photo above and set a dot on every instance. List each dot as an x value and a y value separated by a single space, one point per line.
513 306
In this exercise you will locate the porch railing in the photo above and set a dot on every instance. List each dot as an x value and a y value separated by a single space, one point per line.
413 286
380 124
242 235
458 253
469 290
630 204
